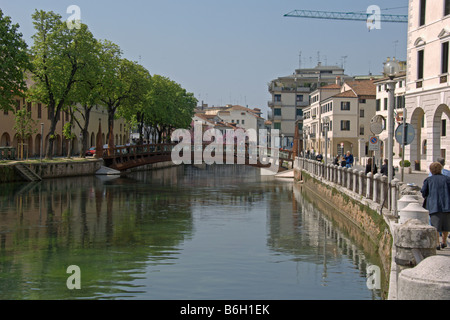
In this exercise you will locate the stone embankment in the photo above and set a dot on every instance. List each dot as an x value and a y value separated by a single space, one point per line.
393 218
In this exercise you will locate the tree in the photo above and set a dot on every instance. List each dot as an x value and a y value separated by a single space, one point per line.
14 62
170 106
123 83
59 54
25 127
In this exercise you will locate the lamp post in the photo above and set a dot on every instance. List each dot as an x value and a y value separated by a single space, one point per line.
391 69
326 122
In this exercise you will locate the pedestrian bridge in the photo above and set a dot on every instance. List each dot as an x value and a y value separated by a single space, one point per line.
127 157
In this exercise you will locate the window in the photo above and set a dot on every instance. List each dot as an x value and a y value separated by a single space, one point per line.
345 105
378 105
345 125
444 62
243 121
277 112
361 113
420 60
362 100
422 14
17 105
237 121
361 130
446 7
300 98
39 111
386 103
299 112
29 106
277 98
444 128
277 125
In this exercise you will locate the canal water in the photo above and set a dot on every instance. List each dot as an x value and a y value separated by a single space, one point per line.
184 233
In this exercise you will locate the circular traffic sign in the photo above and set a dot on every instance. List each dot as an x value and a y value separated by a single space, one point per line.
410 134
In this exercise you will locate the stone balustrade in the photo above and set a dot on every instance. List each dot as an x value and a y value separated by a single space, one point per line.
371 187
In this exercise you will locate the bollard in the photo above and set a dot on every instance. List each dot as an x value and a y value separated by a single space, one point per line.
405 201
430 280
414 211
394 196
414 241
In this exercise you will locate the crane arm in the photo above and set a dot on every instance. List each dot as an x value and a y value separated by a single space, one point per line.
346 16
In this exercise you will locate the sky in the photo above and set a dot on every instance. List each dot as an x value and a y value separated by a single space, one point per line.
227 51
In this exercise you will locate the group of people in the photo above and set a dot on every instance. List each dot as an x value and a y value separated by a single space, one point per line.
436 194
345 161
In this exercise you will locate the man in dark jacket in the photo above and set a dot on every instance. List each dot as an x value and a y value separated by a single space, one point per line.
436 192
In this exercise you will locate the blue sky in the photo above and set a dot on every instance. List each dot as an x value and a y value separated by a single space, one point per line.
227 51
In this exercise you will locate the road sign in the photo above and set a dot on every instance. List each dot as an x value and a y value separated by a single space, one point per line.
410 134
374 144
377 124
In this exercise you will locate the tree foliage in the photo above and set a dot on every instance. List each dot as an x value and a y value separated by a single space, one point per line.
14 62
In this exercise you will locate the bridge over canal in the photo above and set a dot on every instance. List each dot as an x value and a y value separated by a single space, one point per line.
127 157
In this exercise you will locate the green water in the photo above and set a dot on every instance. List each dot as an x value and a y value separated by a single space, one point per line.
223 232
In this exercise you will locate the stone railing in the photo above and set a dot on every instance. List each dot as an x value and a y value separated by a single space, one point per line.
417 273
370 187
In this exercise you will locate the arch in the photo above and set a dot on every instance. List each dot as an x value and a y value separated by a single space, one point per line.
5 140
37 145
419 42
93 141
438 146
415 148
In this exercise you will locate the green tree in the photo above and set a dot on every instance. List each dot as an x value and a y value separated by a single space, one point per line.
59 54
25 127
14 62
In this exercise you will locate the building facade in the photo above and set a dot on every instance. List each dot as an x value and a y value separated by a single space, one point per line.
348 110
290 96
427 95
32 147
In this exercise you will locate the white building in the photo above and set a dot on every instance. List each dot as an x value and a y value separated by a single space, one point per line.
349 109
382 103
427 80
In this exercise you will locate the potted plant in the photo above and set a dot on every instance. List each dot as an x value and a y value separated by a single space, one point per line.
406 165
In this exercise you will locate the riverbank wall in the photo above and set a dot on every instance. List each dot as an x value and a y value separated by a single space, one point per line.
64 168
393 219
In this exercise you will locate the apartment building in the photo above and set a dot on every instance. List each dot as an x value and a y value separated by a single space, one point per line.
427 95
290 96
349 109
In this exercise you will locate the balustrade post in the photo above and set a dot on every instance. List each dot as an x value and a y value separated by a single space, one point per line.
376 180
355 179
368 185
349 178
361 181
394 197
383 194
339 175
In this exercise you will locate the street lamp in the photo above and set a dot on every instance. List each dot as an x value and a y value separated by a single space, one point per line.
391 69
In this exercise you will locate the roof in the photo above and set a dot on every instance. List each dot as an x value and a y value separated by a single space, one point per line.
346 94
363 87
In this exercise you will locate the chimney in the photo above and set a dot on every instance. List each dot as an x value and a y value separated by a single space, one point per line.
338 81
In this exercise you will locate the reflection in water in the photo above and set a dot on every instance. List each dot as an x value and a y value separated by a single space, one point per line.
220 232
